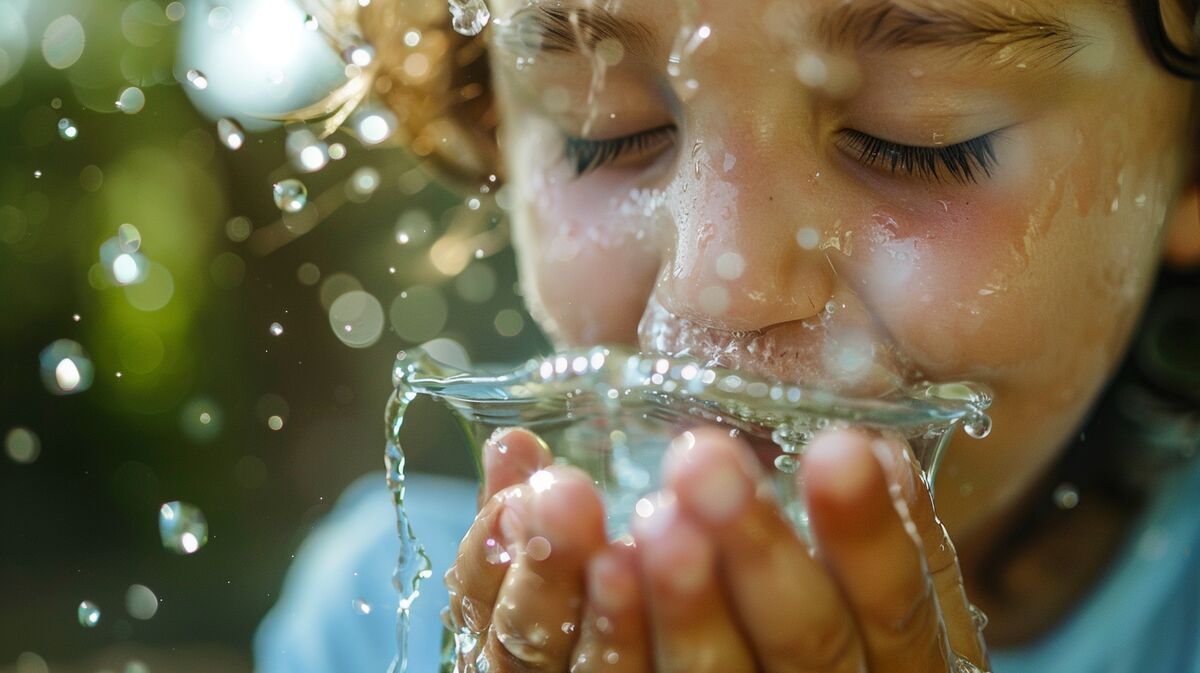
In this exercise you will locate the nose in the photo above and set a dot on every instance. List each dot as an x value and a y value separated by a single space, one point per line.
746 253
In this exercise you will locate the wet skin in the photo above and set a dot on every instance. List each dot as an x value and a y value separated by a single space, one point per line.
760 232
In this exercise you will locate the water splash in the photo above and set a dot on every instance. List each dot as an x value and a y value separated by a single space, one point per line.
687 40
182 527
412 564
469 17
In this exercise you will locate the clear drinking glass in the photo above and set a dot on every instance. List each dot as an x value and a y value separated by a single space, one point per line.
612 413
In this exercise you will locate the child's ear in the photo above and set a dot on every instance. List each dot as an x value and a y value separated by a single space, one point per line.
1182 249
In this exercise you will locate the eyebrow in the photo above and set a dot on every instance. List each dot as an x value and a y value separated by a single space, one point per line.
878 25
540 29
884 25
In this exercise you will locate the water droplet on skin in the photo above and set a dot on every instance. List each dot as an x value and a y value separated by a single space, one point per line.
131 101
197 79
129 238
89 614
916 73
470 17
611 656
812 70
730 266
1066 496
538 548
276 329
67 129
808 238
568 627
182 527
290 195
361 606
230 133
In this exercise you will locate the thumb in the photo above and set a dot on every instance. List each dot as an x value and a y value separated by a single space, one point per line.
510 456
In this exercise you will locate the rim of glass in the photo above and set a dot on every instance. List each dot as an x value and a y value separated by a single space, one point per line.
617 377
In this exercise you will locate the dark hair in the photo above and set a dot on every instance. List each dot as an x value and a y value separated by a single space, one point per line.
1177 61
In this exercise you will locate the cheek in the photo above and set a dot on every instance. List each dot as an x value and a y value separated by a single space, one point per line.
588 257
1032 282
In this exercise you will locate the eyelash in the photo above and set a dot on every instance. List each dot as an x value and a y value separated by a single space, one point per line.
960 161
585 155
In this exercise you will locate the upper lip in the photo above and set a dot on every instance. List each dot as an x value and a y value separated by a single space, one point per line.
845 356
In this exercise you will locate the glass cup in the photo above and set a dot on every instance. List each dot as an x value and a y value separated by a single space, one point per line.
612 413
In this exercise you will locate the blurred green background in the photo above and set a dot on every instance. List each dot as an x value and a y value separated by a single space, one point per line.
193 397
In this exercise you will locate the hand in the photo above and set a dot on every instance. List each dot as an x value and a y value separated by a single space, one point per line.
725 583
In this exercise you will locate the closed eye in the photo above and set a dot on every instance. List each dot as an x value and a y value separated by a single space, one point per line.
586 155
961 162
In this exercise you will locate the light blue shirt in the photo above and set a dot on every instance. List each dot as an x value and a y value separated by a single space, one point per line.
1144 616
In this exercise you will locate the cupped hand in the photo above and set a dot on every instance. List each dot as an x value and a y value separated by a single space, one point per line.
718 580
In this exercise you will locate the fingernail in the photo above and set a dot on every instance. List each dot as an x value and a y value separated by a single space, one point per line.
680 557
609 585
849 466
716 485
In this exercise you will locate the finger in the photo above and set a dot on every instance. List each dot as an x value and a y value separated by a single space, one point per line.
874 553
510 455
691 624
536 616
789 607
483 557
613 638
941 560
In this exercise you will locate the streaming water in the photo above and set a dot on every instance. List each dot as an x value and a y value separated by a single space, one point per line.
612 413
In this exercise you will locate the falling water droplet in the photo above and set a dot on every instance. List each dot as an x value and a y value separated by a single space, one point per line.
197 79
129 238
230 133
361 606
307 152
37 174
787 463
290 195
276 329
89 614
310 22
131 101
183 528
66 368
1066 496
374 126
469 16
67 129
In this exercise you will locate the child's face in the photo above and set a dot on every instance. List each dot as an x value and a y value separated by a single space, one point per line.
972 192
